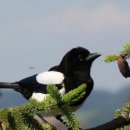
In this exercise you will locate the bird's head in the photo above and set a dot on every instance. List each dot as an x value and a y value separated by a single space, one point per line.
78 59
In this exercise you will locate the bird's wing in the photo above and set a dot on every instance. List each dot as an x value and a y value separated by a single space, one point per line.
38 82
50 77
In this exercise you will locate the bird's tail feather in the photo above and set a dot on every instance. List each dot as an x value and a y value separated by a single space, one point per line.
6 85
15 86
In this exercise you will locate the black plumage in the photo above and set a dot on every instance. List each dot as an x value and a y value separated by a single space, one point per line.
75 67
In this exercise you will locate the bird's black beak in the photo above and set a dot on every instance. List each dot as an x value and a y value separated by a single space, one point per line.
93 56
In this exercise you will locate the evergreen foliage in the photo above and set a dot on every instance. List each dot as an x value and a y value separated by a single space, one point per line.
22 117
125 53
124 112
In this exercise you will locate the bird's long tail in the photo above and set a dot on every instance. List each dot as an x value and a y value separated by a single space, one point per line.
6 85
15 86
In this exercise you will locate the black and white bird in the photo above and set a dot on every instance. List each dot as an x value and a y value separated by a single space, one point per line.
73 70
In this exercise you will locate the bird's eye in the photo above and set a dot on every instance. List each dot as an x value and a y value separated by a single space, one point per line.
80 57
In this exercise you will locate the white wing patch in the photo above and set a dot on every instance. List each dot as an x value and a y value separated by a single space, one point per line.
40 97
50 77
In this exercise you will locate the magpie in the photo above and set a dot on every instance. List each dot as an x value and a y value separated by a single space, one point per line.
73 70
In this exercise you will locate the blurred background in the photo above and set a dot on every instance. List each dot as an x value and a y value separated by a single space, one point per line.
35 35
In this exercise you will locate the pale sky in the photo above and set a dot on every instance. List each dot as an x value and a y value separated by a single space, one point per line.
35 35
38 34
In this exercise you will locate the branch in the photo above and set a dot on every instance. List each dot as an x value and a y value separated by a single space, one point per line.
22 117
125 53
112 125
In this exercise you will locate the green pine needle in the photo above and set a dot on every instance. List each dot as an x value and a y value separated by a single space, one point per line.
31 123
127 47
125 53
63 103
75 95
70 120
47 127
22 117
125 112
111 58
54 93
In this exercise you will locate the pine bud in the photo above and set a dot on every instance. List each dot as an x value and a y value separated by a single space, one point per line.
123 66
